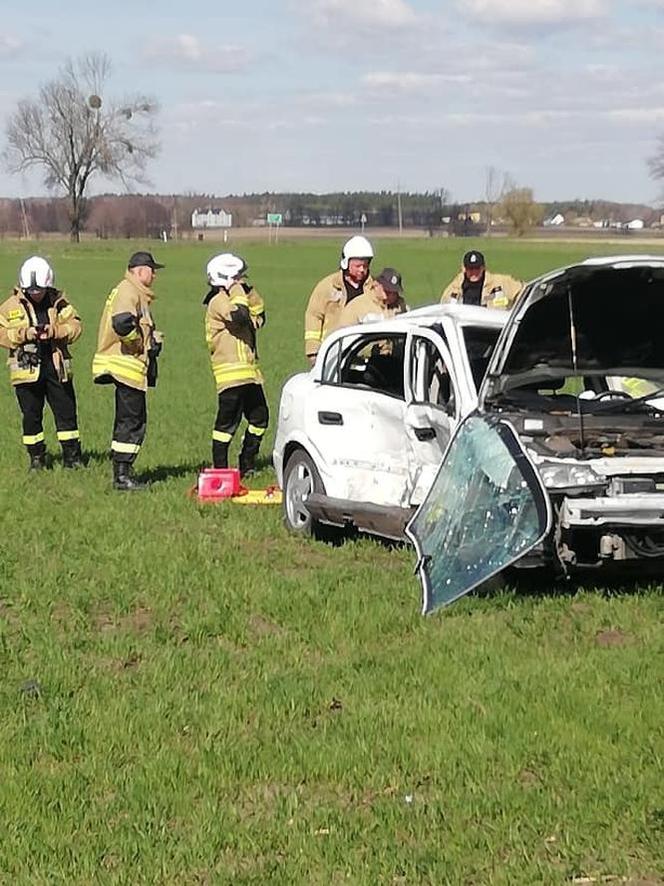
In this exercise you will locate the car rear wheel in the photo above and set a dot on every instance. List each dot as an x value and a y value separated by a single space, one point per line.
301 479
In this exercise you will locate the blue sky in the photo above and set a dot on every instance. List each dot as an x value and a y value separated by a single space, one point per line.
567 96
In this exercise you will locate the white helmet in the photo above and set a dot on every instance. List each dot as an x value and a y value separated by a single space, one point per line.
356 247
223 269
36 271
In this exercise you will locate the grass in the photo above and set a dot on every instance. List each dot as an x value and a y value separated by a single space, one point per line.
190 695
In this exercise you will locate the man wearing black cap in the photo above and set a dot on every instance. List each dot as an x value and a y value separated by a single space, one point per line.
382 301
474 285
127 351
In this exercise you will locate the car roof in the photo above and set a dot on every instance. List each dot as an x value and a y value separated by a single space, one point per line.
429 315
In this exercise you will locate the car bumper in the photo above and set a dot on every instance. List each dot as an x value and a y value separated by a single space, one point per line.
645 511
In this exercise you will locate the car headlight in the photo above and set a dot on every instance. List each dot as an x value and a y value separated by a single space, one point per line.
569 476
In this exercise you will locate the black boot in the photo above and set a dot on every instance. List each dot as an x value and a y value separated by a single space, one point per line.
72 456
123 478
219 454
38 461
248 453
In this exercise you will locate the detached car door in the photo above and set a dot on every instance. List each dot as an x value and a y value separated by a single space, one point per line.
357 419
432 405
486 509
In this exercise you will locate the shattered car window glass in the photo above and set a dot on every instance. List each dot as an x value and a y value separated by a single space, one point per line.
486 509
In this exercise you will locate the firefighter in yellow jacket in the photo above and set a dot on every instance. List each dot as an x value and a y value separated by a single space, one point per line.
37 323
127 349
235 311
382 302
331 294
474 285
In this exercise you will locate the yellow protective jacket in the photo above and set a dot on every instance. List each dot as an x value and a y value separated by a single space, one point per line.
17 315
127 336
323 313
508 289
368 308
233 316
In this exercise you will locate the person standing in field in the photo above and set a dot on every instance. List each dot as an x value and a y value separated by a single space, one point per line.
474 285
37 324
235 312
385 300
331 294
127 350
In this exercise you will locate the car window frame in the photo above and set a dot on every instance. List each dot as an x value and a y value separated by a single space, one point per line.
437 341
359 340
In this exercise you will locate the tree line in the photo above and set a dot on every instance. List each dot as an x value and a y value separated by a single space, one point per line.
75 131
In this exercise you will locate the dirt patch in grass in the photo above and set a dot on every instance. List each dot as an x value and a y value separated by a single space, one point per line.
612 638
529 778
137 622
260 627
8 615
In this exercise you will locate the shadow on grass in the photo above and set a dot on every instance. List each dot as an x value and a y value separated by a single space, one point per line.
167 472
628 581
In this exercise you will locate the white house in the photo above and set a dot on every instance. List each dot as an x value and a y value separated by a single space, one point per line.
211 218
555 220
636 224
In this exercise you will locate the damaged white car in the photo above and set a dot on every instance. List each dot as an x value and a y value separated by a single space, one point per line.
549 422
562 464
361 436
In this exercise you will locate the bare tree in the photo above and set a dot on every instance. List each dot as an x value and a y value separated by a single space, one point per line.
496 184
73 131
656 162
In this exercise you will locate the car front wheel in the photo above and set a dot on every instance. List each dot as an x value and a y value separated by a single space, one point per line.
301 479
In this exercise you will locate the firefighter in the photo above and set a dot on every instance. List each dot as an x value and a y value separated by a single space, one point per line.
127 350
474 285
385 300
235 312
37 323
331 294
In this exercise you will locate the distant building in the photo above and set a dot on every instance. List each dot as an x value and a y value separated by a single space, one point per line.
555 220
636 224
211 218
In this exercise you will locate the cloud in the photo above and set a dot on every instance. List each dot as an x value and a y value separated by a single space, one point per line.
372 13
534 13
9 45
187 51
411 81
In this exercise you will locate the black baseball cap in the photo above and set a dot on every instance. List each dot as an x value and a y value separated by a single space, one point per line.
390 279
473 259
144 260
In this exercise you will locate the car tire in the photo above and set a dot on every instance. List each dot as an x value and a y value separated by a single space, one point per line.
301 479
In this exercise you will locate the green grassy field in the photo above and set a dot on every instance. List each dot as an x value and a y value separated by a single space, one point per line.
217 702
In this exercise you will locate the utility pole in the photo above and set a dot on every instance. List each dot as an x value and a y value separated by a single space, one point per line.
399 213
174 223
24 217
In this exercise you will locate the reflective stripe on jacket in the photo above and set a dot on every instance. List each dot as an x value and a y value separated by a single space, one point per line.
231 321
125 358
323 312
17 315
498 291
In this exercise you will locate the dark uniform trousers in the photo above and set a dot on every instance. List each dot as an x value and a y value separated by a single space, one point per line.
62 400
130 423
248 400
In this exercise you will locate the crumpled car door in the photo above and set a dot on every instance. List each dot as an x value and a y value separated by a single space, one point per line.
487 508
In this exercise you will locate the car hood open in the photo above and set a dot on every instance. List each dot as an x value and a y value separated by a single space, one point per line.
617 309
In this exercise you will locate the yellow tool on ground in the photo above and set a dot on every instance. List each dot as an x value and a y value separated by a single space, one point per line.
270 496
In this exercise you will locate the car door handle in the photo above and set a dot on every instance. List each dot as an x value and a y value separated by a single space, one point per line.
425 433
330 418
